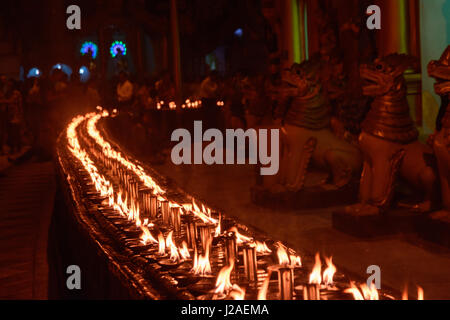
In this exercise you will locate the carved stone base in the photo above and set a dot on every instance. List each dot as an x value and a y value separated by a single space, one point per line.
394 221
307 198
435 230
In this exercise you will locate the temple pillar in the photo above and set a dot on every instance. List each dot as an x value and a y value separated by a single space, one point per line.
400 33
175 48
294 28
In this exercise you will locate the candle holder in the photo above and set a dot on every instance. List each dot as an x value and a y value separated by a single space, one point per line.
165 211
311 291
250 263
153 206
191 232
231 247
205 234
134 189
144 202
175 215
285 281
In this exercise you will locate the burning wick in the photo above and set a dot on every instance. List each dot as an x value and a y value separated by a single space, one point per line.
184 251
240 238
329 272
261 247
287 260
223 282
218 230
365 293
174 256
202 265
162 245
147 236
419 293
283 258
315 277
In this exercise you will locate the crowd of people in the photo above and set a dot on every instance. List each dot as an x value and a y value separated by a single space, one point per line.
33 112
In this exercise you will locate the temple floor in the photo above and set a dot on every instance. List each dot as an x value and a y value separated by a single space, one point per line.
27 193
402 258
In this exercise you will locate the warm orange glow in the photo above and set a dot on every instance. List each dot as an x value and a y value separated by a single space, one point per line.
218 230
174 256
262 293
283 258
365 293
354 291
237 293
146 236
223 282
202 265
296 261
162 244
184 251
369 293
329 271
199 213
124 200
420 295
261 247
240 238
315 276
405 293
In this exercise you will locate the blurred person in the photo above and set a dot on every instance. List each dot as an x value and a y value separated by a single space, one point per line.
209 91
142 97
33 100
233 97
256 102
13 99
55 115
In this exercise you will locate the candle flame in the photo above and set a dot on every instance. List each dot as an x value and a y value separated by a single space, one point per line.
315 276
329 271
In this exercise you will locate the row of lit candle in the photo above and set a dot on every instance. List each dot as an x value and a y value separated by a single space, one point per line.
199 223
188 104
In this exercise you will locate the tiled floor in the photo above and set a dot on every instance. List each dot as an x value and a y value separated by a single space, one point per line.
402 259
26 204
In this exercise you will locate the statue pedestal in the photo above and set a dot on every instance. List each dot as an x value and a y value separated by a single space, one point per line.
394 221
307 198
435 230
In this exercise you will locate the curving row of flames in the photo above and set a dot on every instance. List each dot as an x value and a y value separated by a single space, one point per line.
129 209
